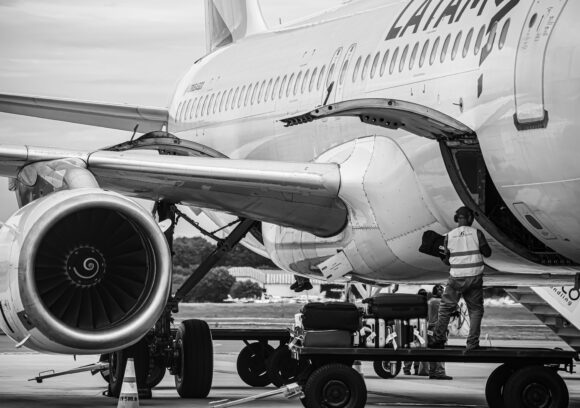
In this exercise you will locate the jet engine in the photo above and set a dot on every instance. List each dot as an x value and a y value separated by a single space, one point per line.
82 271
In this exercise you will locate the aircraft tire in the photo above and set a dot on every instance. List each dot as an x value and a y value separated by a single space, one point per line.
282 368
535 386
384 369
251 364
335 385
118 364
194 350
495 385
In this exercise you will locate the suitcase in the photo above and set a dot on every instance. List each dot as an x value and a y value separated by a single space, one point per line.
328 338
331 316
391 306
404 333
376 337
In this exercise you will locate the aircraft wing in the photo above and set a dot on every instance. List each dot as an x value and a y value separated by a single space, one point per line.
298 195
122 117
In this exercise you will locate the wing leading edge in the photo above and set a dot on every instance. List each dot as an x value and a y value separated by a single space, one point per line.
113 116
297 195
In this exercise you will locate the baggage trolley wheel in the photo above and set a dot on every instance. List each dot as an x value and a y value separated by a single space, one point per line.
495 385
282 368
387 369
336 386
535 386
251 364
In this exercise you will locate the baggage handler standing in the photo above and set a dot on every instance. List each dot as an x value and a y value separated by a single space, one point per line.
436 369
465 247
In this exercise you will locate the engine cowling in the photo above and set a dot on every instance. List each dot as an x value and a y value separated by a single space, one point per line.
82 271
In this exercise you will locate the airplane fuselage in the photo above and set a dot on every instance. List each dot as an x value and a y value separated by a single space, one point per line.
505 69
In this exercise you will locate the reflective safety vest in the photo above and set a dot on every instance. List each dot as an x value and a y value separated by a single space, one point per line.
464 258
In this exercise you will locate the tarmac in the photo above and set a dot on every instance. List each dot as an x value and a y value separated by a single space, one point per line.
83 389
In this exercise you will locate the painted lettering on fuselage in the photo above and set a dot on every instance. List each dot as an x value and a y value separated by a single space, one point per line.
425 15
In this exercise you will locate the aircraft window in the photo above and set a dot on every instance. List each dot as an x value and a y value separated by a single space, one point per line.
268 88
320 76
304 86
503 34
413 55
403 58
235 98
275 88
343 71
445 47
219 102
366 67
259 99
245 95
297 83
491 37
228 100
193 106
209 105
223 100
290 85
394 60
356 68
282 86
375 64
434 51
479 40
423 53
384 63
198 107
467 43
203 106
254 93
456 45
312 80
330 73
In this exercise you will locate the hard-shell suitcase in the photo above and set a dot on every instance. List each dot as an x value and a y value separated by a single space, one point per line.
328 338
404 332
375 337
390 306
331 316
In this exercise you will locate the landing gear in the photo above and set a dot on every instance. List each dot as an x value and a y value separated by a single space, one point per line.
251 364
118 362
387 369
194 359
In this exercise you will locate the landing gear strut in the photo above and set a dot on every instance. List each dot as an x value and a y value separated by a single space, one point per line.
187 352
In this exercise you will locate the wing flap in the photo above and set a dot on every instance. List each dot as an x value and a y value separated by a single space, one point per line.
113 116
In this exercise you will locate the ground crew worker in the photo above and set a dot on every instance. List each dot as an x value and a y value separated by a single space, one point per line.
436 368
464 247
418 368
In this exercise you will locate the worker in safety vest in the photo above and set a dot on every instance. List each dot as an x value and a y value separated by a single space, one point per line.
465 247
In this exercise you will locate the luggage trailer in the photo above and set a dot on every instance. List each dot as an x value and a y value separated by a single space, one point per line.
527 377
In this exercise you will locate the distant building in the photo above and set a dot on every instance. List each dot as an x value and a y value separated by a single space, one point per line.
275 281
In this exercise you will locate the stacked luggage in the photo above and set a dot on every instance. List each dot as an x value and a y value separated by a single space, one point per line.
391 320
396 320
332 324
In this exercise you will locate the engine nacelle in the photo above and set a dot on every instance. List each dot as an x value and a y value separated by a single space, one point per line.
82 271
388 213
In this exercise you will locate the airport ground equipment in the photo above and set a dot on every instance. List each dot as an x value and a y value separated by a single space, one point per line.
526 377
288 391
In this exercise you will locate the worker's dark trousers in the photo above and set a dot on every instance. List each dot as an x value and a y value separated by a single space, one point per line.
471 288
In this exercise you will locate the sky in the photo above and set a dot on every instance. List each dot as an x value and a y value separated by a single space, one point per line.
118 51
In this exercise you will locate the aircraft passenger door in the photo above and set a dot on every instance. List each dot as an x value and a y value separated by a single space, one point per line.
529 74
329 85
342 76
